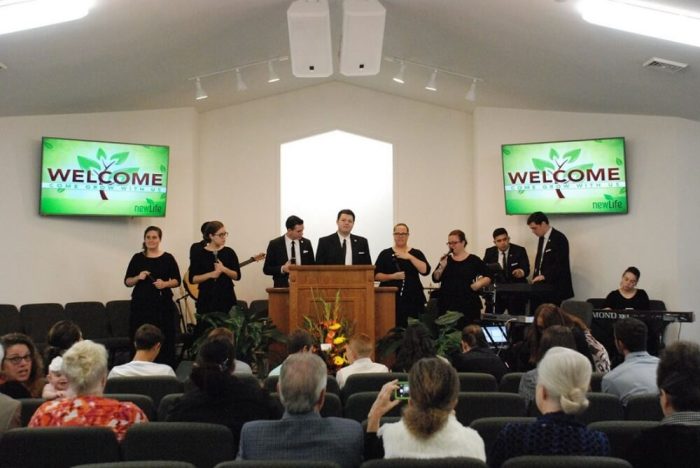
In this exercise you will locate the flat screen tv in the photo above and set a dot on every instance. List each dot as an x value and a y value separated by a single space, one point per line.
100 178
565 177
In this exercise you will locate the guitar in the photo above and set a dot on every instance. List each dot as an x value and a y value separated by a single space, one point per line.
193 289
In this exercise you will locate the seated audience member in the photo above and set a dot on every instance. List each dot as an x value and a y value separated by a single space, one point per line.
21 371
556 335
302 434
148 340
415 345
428 428
60 337
226 334
564 377
359 354
476 356
10 409
85 365
676 441
57 387
299 341
637 374
217 396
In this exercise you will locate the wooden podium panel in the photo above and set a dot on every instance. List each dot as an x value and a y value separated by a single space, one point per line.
370 309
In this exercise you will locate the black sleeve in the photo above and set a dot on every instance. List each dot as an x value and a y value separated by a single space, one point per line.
135 266
384 263
374 448
420 256
173 269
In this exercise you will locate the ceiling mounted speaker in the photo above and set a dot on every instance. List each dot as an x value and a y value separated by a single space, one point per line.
309 24
363 35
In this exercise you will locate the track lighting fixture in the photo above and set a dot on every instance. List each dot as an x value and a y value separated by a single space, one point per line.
271 74
432 82
432 85
399 76
240 84
199 91
471 93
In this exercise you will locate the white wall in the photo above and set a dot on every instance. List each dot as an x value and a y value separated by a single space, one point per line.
64 259
654 235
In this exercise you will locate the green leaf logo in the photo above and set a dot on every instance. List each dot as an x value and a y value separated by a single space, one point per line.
506 151
543 165
48 145
572 155
553 155
618 161
87 164
119 157
608 197
101 154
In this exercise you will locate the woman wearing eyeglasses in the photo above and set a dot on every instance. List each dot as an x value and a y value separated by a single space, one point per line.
153 273
461 275
400 266
21 373
214 268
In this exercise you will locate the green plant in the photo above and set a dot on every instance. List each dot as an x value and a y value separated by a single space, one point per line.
443 330
331 328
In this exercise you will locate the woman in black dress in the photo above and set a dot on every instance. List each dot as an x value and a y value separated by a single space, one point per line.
627 296
399 266
461 275
214 267
152 273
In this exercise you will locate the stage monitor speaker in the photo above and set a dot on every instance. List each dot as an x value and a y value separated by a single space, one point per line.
309 24
363 35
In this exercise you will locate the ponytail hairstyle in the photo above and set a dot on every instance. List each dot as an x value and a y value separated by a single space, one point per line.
210 229
214 365
62 335
434 387
566 375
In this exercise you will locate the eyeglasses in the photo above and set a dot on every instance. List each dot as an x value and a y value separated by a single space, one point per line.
15 360
222 234
453 243
401 234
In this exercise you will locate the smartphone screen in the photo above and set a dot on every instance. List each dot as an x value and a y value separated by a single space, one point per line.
401 393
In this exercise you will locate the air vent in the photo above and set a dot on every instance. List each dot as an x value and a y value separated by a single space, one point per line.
666 65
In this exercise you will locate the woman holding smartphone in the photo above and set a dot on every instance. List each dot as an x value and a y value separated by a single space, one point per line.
152 273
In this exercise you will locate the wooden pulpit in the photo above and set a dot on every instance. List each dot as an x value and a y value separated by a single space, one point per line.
370 309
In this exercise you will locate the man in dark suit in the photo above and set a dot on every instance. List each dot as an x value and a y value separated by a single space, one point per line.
302 434
515 266
289 249
343 248
551 262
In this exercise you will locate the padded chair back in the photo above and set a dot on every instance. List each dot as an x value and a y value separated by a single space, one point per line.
475 405
184 369
37 319
596 302
370 382
425 463
596 381
644 408
510 382
166 404
565 461
9 319
28 408
91 317
601 407
250 379
270 384
155 387
118 316
477 382
201 444
656 304
278 464
57 447
621 433
142 401
489 428
358 404
581 309
259 308
140 464
243 305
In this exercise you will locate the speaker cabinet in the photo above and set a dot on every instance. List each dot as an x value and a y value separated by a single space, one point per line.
363 36
310 38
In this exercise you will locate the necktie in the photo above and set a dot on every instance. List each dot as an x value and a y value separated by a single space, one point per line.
503 263
538 258
294 254
345 250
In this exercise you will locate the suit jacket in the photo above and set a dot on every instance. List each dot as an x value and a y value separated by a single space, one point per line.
9 413
517 258
555 265
277 256
303 437
330 251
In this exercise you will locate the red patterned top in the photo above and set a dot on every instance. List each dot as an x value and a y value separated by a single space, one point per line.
89 411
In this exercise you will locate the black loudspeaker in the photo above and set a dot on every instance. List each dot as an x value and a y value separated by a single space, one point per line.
363 36
310 38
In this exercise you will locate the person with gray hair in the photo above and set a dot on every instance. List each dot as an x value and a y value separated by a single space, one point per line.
302 434
10 409
85 366
563 378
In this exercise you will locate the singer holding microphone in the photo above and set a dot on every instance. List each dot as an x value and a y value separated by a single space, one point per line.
152 273
461 275
400 266
214 268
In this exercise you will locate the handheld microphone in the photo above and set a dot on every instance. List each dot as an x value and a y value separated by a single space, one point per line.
216 255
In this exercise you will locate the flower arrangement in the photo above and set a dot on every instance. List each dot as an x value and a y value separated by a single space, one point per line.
331 329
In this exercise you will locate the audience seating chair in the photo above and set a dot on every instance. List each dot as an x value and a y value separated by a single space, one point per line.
565 461
243 305
259 308
596 382
37 319
370 382
475 405
621 433
510 382
601 407
489 428
118 315
93 321
270 384
477 382
142 401
155 387
57 447
29 407
278 464
9 319
454 462
358 404
581 309
656 304
140 464
645 407
596 302
383 420
184 369
202 444
166 404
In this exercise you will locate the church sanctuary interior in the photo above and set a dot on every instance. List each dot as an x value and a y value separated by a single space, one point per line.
215 81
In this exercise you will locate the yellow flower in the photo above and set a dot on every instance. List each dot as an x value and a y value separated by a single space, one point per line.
338 361
339 340
335 326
